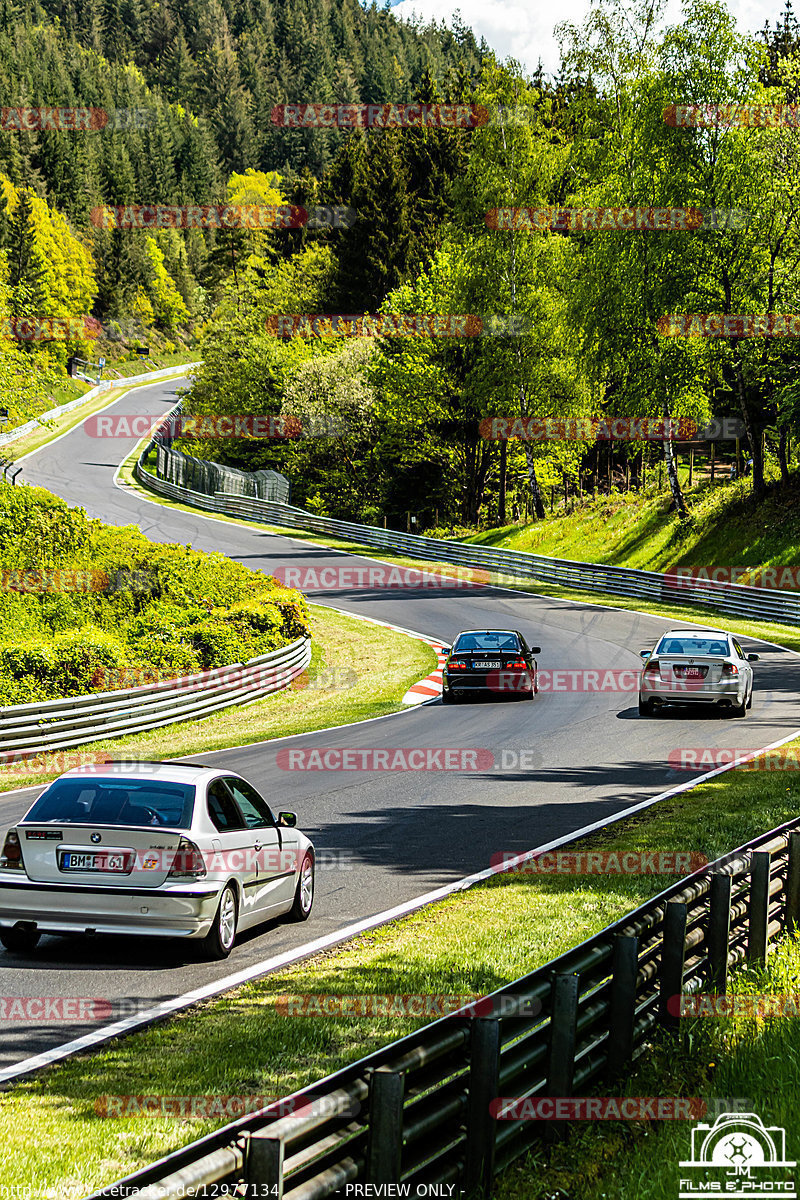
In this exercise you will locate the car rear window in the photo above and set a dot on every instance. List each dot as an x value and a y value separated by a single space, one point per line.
715 646
486 641
115 802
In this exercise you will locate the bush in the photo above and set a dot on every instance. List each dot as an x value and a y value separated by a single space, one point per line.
81 658
167 610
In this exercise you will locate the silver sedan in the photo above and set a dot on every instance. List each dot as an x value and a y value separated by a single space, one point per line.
166 849
696 666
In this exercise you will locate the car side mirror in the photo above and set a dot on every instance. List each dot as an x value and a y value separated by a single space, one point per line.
644 654
287 818
536 649
446 649
753 657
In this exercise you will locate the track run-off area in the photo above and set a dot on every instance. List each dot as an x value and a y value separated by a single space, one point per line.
543 770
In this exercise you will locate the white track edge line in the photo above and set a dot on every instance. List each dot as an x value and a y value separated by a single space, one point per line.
258 970
289 957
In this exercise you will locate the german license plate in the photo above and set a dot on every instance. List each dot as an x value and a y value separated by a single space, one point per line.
71 860
487 666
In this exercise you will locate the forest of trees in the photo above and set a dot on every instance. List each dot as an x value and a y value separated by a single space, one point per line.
408 412
188 89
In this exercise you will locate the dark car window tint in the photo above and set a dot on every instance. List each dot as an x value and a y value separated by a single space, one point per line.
116 802
487 642
256 812
221 809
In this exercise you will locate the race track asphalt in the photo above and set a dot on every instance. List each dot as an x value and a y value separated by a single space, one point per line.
390 835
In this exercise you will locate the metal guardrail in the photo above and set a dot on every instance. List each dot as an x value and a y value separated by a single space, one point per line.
738 600
418 1110
29 729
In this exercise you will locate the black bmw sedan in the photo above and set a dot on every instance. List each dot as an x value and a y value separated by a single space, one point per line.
491 662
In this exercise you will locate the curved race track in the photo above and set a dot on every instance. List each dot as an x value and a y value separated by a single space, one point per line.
403 833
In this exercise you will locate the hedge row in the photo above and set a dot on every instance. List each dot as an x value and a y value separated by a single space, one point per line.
88 607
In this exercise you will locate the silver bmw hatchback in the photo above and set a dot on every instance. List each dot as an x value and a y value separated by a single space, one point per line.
696 666
158 848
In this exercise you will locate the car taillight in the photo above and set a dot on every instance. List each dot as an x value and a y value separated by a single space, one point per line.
457 664
652 666
11 858
188 862
518 665
730 669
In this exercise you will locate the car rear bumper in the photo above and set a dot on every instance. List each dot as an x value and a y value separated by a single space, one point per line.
716 693
500 683
180 911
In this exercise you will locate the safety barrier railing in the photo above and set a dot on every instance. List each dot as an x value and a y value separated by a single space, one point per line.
420 1110
509 567
27 730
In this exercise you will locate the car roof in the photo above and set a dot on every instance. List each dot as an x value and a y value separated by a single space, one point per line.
165 771
696 633
463 631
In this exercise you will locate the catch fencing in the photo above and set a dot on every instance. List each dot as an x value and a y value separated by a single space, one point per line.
200 475
27 730
510 567
418 1111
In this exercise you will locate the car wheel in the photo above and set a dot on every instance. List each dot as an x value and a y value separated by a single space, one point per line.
447 697
304 895
20 940
740 710
750 699
646 708
219 940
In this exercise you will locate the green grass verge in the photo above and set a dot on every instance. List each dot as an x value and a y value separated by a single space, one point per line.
55 427
783 635
725 528
471 943
358 670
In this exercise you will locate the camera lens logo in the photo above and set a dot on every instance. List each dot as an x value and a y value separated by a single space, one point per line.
737 1155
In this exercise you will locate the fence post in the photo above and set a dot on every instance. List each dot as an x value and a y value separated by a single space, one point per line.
673 959
719 932
625 967
793 884
385 1135
264 1163
561 1049
484 1085
758 910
